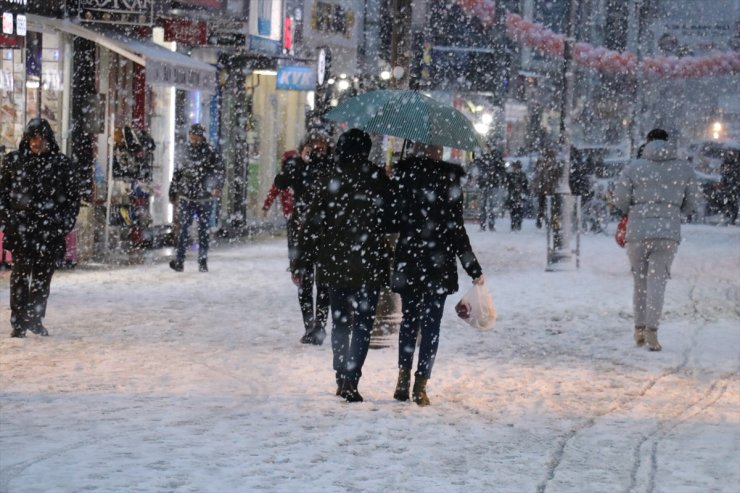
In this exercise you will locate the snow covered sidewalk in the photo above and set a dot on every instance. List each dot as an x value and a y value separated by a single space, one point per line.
154 381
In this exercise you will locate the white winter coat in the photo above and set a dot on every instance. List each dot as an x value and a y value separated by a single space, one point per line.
654 191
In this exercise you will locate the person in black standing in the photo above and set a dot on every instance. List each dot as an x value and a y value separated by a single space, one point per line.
194 185
432 237
344 236
304 175
491 174
517 187
39 202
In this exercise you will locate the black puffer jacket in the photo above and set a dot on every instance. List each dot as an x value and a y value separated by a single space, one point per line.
305 179
432 231
345 227
39 197
201 173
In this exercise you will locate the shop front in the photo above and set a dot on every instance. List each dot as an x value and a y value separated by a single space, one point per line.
120 107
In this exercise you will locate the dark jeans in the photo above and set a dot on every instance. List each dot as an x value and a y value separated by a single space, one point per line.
186 211
487 201
313 320
517 213
422 314
353 314
30 281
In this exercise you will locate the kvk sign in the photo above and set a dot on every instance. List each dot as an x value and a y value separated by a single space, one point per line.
296 79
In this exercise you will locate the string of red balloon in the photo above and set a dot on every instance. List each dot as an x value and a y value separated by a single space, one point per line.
538 37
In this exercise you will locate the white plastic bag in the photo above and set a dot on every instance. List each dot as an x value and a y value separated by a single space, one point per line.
476 307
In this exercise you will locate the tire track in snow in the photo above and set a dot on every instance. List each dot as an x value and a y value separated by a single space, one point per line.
713 394
567 438
709 398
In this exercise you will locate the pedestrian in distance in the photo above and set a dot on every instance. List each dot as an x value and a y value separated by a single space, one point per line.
432 237
344 237
730 184
491 174
653 192
547 173
517 187
195 183
305 176
39 202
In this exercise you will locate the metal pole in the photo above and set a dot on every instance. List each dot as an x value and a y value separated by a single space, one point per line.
109 179
563 200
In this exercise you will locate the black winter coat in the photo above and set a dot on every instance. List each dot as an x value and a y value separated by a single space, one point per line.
346 226
199 175
305 180
432 231
39 200
517 187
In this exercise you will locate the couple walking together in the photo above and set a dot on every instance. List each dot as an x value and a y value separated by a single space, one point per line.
343 237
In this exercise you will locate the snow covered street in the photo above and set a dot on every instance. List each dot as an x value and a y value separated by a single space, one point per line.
153 381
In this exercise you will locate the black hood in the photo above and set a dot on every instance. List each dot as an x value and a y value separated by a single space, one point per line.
353 147
38 126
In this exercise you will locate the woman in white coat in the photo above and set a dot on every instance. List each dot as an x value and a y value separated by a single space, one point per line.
654 191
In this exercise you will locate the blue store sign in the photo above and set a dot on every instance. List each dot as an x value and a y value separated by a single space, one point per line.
296 79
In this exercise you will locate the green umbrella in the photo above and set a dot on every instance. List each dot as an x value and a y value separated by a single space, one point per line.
409 115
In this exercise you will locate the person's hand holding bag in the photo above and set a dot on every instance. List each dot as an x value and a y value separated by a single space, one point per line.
476 307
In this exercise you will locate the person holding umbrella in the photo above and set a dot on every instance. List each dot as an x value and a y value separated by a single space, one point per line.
432 237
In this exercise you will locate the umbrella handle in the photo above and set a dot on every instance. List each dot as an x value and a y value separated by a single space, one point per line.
403 148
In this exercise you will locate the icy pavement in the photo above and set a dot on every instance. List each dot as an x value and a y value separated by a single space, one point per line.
154 381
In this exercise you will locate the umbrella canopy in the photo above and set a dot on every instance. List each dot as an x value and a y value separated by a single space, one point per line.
409 115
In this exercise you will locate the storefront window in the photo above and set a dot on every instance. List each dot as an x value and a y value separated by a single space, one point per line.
51 82
11 98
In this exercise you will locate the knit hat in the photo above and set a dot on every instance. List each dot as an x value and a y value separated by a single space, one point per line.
657 134
197 129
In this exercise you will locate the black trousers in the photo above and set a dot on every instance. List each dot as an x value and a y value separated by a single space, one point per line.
30 280
313 319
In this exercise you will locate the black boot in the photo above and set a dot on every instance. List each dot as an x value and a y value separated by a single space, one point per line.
340 387
350 393
202 265
402 385
419 394
18 332
176 265
39 330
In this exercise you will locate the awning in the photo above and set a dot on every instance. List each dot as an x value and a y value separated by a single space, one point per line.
163 67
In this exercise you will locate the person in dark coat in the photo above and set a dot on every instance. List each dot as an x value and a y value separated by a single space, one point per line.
730 184
491 175
547 173
194 185
344 237
432 237
517 187
39 202
305 176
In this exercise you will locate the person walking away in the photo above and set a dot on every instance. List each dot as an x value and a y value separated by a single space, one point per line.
730 184
304 175
344 237
432 237
39 202
195 183
517 186
547 172
653 192
491 175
